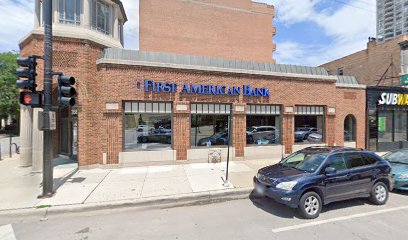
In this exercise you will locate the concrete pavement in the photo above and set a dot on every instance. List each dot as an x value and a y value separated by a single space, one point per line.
20 187
5 143
95 188
250 218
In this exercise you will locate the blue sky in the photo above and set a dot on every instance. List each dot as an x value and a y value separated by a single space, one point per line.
309 32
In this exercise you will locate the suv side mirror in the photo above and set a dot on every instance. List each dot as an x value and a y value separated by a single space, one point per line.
330 170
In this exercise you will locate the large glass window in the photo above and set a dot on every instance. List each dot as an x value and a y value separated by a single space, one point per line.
148 126
385 126
400 126
263 124
209 125
101 16
309 124
69 11
373 130
349 129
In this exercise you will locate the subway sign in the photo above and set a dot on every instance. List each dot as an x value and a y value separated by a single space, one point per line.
204 89
393 99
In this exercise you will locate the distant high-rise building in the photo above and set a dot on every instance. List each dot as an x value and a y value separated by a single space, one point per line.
392 18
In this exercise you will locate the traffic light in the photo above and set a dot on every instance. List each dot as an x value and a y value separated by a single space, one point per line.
66 93
33 99
28 72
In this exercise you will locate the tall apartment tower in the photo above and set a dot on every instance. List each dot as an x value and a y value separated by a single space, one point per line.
392 18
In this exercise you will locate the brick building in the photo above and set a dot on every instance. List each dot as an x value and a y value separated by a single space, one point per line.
140 107
380 60
383 67
229 29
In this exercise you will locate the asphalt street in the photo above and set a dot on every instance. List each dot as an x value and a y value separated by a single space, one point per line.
252 218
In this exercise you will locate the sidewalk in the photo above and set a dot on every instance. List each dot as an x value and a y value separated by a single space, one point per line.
20 188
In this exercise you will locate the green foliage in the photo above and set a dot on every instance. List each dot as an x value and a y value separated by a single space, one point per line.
9 93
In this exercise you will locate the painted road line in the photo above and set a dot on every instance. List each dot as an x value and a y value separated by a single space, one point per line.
7 232
337 219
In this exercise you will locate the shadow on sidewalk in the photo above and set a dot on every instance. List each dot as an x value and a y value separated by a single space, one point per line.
61 163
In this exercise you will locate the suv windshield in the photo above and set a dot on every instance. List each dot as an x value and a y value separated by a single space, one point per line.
304 161
397 157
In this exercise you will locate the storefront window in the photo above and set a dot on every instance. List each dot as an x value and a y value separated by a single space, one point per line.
209 125
372 130
385 126
263 124
309 124
350 129
148 126
400 126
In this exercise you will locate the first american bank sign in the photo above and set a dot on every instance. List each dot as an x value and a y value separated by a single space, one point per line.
204 89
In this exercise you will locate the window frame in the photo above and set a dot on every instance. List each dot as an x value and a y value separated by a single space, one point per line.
139 107
62 12
108 23
214 117
326 163
349 166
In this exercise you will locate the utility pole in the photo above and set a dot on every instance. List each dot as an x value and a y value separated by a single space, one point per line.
48 190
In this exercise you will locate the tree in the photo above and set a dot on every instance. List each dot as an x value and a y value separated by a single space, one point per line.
9 94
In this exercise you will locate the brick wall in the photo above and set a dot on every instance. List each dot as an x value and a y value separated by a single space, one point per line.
350 101
76 58
101 131
230 29
370 64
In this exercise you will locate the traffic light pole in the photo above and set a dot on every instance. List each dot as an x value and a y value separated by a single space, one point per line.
48 190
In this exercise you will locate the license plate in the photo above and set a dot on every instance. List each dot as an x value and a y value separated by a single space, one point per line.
259 190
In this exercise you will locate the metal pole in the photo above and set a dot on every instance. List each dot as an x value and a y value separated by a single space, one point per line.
0 152
228 149
10 145
47 160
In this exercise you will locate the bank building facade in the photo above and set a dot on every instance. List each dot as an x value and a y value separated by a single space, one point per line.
153 106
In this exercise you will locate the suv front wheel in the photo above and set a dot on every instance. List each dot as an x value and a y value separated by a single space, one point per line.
310 205
379 194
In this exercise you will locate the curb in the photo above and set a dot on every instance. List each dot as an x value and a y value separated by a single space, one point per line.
169 201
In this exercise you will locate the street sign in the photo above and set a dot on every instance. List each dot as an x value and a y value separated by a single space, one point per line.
404 80
47 121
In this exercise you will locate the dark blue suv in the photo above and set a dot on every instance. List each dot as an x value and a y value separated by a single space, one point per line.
315 176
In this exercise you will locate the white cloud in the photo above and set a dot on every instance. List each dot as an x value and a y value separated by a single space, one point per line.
17 21
131 29
347 28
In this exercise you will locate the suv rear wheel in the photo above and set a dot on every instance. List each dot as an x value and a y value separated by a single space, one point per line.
310 205
379 194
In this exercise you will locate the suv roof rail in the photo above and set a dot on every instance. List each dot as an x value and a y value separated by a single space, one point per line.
347 149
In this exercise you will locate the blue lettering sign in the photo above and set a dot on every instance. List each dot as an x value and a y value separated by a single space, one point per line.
207 89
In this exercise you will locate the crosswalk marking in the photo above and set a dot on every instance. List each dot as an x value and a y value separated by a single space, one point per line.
7 232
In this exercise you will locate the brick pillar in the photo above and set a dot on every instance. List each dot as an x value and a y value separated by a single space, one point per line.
288 126
181 128
239 129
113 143
330 123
